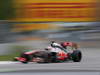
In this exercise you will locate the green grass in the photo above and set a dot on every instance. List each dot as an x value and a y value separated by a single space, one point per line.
9 57
16 50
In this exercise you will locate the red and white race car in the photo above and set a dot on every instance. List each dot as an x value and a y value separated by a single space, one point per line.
46 56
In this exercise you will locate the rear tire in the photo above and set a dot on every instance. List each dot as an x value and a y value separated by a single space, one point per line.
76 56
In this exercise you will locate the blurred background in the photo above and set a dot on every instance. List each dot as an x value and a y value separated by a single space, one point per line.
31 24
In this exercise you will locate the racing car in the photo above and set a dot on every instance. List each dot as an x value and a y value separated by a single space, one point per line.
70 53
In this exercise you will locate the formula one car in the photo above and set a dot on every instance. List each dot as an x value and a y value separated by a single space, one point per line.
45 56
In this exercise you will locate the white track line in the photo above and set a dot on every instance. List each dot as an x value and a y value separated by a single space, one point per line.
8 62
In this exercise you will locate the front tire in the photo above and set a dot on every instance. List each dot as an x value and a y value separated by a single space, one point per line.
27 57
76 56
24 62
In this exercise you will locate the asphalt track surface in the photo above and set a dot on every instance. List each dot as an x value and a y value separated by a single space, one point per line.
90 63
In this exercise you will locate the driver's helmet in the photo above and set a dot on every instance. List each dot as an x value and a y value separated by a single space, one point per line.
55 44
65 44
